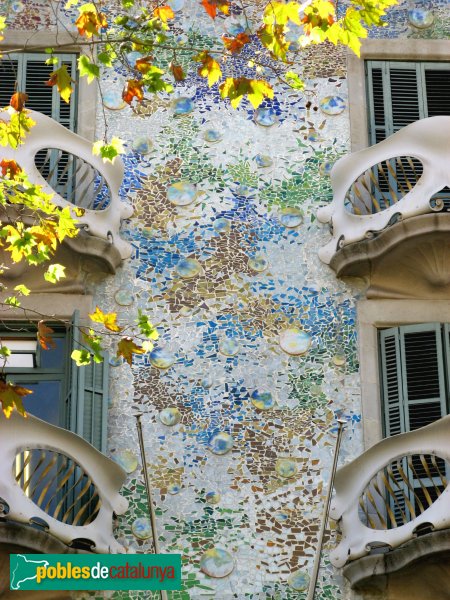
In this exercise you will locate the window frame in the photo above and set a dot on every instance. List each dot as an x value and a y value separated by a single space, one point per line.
404 50
86 108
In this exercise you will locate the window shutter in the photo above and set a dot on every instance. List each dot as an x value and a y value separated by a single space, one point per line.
88 405
391 376
422 374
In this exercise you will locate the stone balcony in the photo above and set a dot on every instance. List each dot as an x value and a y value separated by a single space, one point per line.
392 508
53 481
63 163
389 218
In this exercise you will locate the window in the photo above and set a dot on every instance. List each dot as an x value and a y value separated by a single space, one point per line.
65 395
415 375
29 73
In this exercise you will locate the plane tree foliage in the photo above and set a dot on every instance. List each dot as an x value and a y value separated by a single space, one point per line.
271 40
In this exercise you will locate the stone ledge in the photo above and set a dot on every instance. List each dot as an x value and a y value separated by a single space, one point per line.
372 571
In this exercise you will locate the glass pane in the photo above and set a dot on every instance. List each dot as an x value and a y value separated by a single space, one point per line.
44 402
54 357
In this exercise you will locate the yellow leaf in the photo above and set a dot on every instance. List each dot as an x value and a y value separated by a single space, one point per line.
164 13
63 82
11 398
109 320
210 68
126 348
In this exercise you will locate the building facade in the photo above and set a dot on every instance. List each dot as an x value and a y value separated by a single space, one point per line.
271 327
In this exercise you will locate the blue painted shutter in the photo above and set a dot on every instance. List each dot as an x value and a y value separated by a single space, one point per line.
88 396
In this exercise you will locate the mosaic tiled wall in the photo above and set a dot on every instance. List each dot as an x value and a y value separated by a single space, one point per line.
257 354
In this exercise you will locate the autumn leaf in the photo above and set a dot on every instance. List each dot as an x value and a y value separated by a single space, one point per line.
210 68
109 320
44 336
18 101
211 7
144 64
281 13
164 13
90 22
126 348
235 45
9 168
236 88
11 398
273 38
81 357
63 82
177 71
133 89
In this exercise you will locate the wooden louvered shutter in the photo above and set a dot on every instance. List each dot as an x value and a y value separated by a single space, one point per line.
88 396
391 376
423 379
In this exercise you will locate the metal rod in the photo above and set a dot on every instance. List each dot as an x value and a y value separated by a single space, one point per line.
323 526
151 508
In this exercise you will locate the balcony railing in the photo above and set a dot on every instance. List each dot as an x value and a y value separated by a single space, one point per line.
53 479
403 176
393 492
63 163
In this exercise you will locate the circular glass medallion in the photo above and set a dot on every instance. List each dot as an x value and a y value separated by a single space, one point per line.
420 18
173 489
115 361
228 347
266 117
124 297
212 136
112 99
132 57
182 106
142 145
286 468
332 105
17 7
291 217
212 497
217 563
126 459
294 341
299 581
325 168
170 416
188 267
161 358
181 193
258 263
222 225
221 443
263 160
262 400
175 5
142 528
339 359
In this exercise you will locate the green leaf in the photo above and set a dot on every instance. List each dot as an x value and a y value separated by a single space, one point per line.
108 152
87 68
145 326
22 289
294 81
54 273
81 357
106 58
